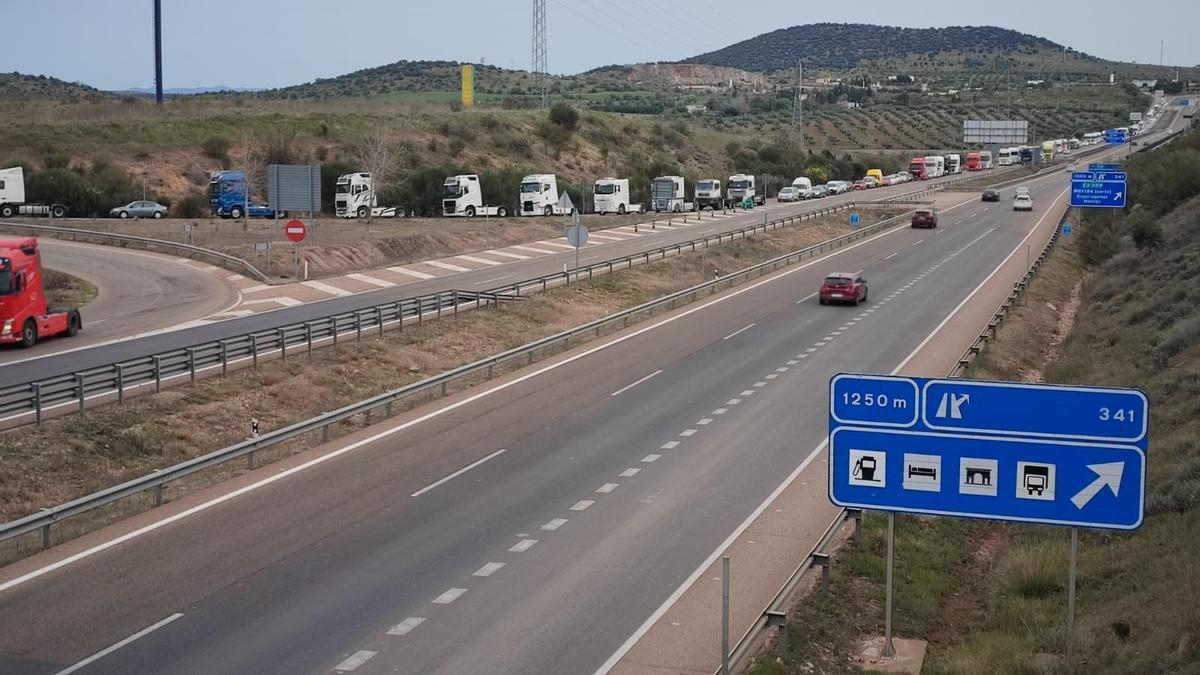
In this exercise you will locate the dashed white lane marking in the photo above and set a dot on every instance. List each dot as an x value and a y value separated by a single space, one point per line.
446 266
740 331
803 356
651 458
522 546
325 288
918 241
892 255
704 421
355 660
670 445
450 595
481 261
687 432
720 411
412 273
604 237
256 288
406 626
554 524
772 376
760 384
733 401
108 650
607 488
368 279
540 251
782 369
806 298
234 277
627 387
582 505
458 473
488 569
810 350
793 362
506 254
629 473
746 392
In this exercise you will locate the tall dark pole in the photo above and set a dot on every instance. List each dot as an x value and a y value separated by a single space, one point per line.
158 83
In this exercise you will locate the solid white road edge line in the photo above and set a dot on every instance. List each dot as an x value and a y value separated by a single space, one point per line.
458 473
450 407
105 652
627 387
691 579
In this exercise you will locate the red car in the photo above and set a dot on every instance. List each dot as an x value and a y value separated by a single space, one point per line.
860 185
924 218
843 287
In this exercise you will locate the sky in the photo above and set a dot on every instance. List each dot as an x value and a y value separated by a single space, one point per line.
109 44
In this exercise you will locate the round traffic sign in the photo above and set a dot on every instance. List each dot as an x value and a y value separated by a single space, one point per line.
295 230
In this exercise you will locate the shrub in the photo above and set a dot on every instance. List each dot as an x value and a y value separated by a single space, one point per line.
194 205
217 148
564 116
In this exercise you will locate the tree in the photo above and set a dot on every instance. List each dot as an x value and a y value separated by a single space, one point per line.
254 164
376 155
564 116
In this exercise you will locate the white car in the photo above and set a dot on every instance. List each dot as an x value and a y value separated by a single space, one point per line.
1023 203
790 194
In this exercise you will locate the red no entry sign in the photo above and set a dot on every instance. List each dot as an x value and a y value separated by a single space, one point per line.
295 230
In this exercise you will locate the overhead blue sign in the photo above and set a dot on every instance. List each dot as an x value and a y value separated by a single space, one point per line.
1183 102
1083 175
1096 194
1109 176
1096 166
1006 451
1114 136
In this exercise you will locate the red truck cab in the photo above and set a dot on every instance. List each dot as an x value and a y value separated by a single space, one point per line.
917 168
24 315
974 161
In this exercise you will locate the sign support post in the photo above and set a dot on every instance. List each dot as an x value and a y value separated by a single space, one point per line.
1071 590
889 650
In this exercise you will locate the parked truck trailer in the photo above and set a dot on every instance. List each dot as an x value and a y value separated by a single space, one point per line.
12 198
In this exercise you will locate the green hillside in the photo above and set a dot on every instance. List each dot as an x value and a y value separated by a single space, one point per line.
20 87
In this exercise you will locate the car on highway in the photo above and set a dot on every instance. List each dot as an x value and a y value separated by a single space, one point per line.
924 218
849 287
990 195
1022 191
142 209
1023 203
789 194
859 185
819 191
837 187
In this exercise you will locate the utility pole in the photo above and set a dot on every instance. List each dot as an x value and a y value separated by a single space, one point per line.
541 79
158 81
798 104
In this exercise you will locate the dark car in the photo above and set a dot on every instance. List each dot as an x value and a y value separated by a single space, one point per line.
843 287
924 218
990 195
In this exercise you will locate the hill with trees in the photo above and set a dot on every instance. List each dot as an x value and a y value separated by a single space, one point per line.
20 87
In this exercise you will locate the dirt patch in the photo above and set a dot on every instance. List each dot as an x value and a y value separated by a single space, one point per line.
65 290
965 608
1062 329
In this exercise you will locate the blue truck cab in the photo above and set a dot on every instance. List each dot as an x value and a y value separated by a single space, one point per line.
227 197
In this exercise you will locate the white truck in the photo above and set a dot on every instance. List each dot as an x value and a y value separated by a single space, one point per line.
462 197
935 166
708 194
539 196
740 187
354 197
611 195
669 193
12 197
953 164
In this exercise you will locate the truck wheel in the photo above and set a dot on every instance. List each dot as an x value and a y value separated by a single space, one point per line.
74 322
621 210
29 333
7 211
548 211
469 212
361 212
58 211
235 212
124 215
501 212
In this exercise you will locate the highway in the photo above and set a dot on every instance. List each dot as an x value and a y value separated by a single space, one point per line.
80 359
530 524
136 293
624 464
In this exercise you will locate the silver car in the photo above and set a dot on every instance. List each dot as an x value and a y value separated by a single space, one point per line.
789 194
141 209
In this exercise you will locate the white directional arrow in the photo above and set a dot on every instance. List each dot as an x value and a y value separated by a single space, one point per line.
1106 474
1119 194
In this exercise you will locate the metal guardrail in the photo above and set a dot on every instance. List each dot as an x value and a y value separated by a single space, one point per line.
33 398
385 403
228 262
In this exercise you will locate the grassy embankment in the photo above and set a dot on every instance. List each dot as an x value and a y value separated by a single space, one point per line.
77 454
1114 306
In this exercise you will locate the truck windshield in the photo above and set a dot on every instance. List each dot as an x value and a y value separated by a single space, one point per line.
452 191
606 188
343 189
531 188
739 184
709 185
5 277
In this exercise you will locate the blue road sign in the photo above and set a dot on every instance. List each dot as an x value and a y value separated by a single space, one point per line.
854 218
1083 175
1097 194
1114 136
1109 177
1007 451
1066 229
1095 166
1183 103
